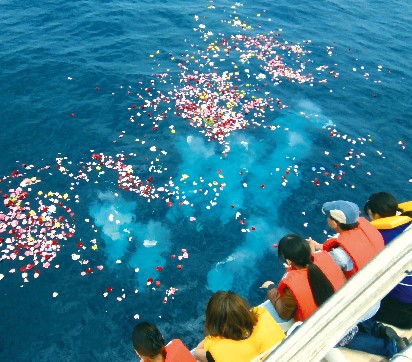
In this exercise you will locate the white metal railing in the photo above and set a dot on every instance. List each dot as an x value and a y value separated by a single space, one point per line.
325 328
404 356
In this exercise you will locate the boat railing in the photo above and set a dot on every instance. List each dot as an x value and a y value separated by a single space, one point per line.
326 327
404 356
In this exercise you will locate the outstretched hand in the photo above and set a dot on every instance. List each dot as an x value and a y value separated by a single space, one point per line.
266 284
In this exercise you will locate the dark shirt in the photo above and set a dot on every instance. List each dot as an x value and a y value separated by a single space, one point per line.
403 291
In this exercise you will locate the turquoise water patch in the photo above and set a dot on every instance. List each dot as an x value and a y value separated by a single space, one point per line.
242 268
273 175
153 243
212 135
142 244
115 216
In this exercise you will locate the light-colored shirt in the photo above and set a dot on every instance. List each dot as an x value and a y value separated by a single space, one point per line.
345 262
342 258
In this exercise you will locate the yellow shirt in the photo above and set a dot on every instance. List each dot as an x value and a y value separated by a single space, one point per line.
266 333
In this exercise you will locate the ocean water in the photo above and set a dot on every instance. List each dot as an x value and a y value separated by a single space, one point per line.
154 152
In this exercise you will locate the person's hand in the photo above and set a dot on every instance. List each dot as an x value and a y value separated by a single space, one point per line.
314 246
266 284
311 242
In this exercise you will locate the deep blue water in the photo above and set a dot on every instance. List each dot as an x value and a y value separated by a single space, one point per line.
74 78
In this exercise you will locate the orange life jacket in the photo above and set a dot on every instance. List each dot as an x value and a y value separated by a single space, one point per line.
296 280
361 243
176 351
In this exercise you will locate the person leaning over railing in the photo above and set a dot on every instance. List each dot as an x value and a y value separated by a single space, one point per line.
234 332
310 279
356 243
150 346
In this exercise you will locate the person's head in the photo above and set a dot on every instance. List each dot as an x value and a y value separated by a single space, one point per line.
342 215
228 315
381 204
147 340
295 250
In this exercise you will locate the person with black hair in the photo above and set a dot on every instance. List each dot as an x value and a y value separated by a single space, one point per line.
309 280
357 241
150 346
391 219
387 215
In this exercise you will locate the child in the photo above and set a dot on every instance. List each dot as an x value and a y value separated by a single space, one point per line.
149 346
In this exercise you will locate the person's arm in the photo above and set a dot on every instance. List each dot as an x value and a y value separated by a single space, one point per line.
285 306
200 352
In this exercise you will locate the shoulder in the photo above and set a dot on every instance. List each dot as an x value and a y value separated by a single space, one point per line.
259 311
175 342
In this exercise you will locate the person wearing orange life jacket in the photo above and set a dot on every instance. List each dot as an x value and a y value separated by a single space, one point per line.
309 280
391 219
149 346
356 243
